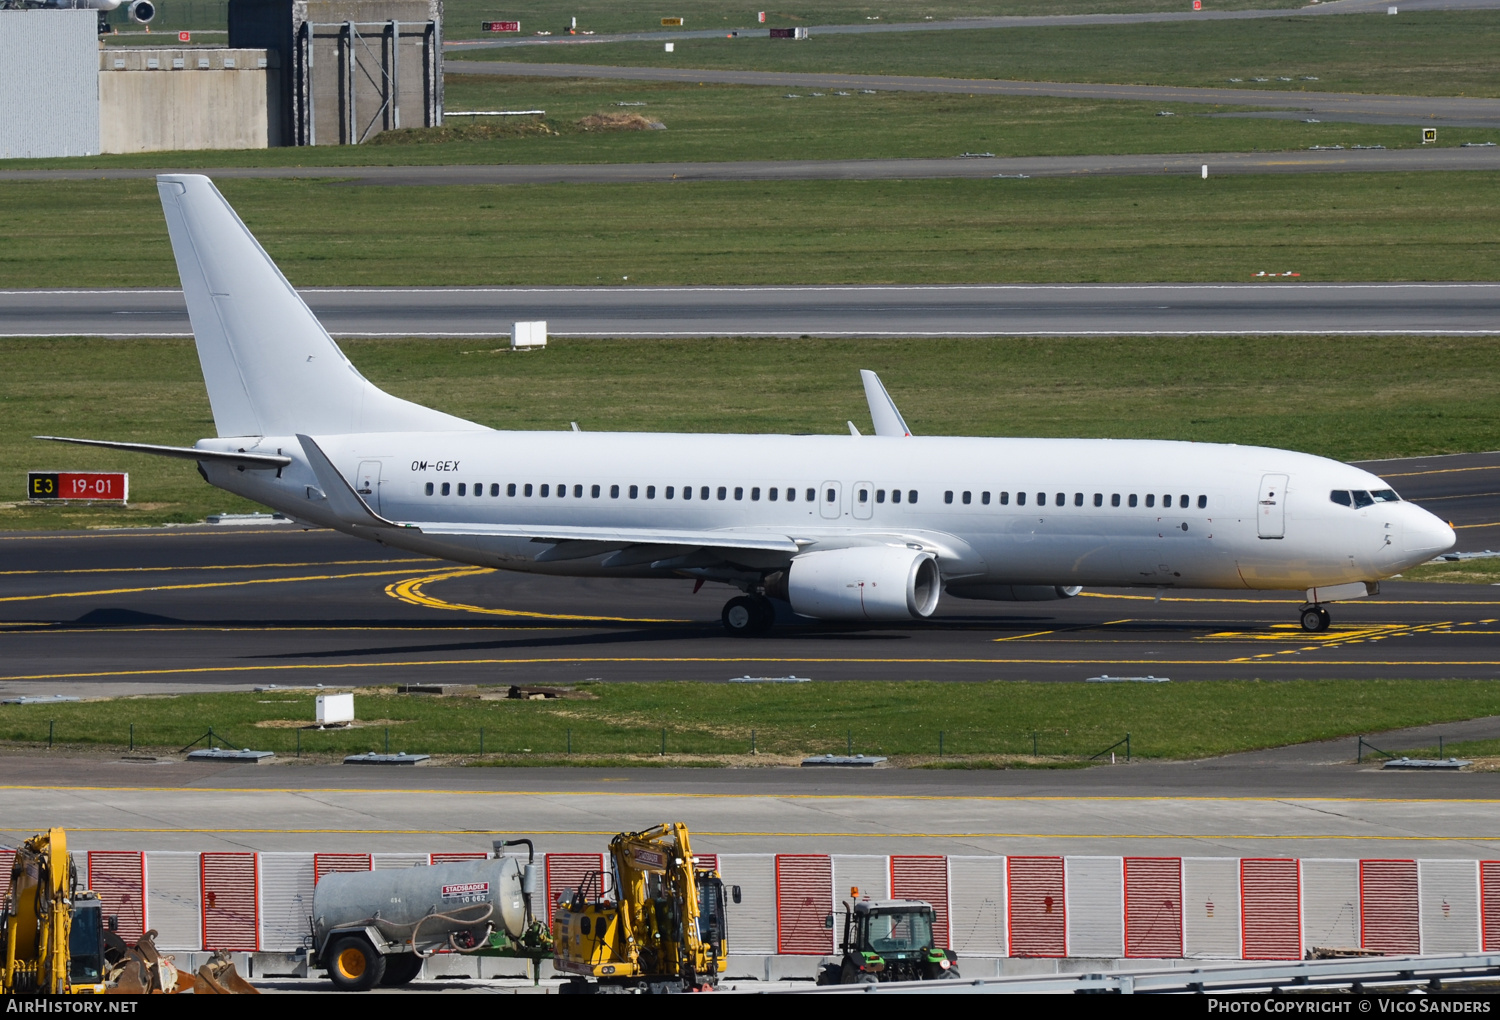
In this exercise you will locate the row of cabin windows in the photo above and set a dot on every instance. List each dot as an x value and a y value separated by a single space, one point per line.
1184 501
773 494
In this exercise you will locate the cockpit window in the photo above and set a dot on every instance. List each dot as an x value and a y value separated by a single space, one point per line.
1341 497
1385 496
1361 499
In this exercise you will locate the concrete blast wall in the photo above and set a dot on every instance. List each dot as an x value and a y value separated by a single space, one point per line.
155 100
49 77
349 68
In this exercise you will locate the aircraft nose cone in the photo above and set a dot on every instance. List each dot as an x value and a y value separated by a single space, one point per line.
1427 536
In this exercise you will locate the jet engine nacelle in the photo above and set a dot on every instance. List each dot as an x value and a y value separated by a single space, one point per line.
142 11
865 583
1013 592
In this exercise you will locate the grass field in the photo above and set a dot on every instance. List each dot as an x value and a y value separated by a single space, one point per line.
1326 227
716 123
1346 398
716 720
1427 53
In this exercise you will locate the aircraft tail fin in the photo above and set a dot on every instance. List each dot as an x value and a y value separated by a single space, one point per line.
270 367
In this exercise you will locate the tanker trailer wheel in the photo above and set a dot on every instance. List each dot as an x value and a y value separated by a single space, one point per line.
401 969
354 965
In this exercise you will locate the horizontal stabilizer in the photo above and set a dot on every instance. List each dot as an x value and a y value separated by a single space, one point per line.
264 461
342 499
883 413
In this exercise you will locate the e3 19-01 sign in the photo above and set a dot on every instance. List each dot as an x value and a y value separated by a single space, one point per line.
96 486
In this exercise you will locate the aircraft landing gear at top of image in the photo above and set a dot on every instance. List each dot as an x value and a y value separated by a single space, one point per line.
1315 618
748 616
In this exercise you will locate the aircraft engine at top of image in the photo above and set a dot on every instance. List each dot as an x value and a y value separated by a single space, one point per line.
141 11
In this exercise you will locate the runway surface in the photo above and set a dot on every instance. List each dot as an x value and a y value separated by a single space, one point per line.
1456 111
1473 158
1279 306
204 607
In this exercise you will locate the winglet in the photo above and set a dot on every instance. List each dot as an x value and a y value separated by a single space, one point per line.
342 499
888 420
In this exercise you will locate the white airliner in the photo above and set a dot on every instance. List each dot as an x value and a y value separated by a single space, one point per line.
842 527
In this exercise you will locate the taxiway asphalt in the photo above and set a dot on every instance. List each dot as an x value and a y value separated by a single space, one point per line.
1272 306
214 606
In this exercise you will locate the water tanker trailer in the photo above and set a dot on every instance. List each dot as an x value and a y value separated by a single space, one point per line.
377 927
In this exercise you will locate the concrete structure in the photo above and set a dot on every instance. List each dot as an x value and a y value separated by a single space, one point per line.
49 77
349 68
154 100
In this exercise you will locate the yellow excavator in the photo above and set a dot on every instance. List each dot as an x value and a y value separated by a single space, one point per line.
56 942
657 927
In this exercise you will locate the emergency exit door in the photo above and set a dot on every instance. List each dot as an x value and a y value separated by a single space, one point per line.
1270 513
367 483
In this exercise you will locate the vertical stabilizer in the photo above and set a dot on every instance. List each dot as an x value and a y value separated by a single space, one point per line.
270 367
883 413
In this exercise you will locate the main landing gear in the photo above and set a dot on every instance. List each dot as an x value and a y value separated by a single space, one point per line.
1315 618
748 616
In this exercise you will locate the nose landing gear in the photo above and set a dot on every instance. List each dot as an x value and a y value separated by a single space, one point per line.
748 616
1315 618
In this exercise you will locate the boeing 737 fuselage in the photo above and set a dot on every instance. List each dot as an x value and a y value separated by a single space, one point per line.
840 527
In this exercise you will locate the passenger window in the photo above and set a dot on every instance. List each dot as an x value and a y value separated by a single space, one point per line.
479 488
864 495
1020 499
895 495
528 488
1098 499
461 488
723 492
830 496
812 495
445 488
703 492
1114 499
578 492
1150 499
510 490
650 492
494 488
1202 502
911 495
968 497
1041 499
739 493
1341 497
594 492
668 493
1361 498
1078 499
544 490
634 491
771 494
1182 501
1005 499
880 495
1166 501
754 494
429 488
948 496
614 492
984 497
1385 496
1132 499
1062 499
687 492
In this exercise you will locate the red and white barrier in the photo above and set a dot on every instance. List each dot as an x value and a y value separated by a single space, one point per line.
983 906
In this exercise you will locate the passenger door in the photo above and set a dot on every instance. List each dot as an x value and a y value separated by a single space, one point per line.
830 500
862 501
1270 511
367 483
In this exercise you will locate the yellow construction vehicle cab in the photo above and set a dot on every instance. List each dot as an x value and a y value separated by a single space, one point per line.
54 935
655 922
